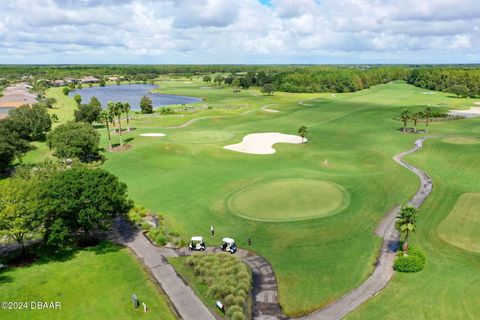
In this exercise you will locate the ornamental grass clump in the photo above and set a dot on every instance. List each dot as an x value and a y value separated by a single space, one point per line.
228 280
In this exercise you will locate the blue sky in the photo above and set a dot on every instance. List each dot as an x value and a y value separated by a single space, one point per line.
239 31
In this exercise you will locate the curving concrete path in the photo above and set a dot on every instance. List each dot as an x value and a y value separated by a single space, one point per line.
383 272
265 293
184 300
189 122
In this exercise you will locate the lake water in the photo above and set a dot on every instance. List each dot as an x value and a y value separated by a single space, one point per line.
4 110
132 93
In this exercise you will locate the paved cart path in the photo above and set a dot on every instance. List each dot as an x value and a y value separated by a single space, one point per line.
383 272
265 293
186 303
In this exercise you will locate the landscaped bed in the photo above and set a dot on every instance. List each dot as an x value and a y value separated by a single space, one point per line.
218 277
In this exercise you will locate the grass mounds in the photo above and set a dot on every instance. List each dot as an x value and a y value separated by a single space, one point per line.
94 283
413 261
462 140
201 136
289 199
221 277
462 225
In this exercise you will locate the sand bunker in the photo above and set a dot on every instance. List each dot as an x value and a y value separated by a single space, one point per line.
270 110
428 92
261 143
152 134
470 113
477 103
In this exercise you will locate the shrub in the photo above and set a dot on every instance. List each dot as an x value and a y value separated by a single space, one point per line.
160 240
227 279
237 315
239 301
233 309
413 262
229 300
145 226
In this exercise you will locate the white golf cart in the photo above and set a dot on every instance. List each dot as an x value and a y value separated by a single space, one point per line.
229 245
196 244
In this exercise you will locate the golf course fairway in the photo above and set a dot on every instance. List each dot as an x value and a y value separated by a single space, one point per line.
318 249
461 227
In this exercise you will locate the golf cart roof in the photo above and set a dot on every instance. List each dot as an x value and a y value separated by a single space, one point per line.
228 240
197 239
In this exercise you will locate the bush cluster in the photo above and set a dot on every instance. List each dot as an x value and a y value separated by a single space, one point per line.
228 279
413 261
160 235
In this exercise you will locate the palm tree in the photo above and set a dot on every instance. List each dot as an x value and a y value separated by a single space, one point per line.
126 109
118 112
111 110
105 118
427 113
405 116
302 131
415 116
406 223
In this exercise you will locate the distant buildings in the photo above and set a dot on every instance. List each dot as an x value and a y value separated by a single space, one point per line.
59 83
115 78
89 79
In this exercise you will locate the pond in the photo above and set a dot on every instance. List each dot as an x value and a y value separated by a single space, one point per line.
4 111
132 93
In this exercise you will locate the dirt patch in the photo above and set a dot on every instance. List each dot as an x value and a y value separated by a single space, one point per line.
125 147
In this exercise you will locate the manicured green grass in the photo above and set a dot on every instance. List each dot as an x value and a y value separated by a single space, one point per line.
462 140
289 199
64 106
96 283
188 176
316 260
462 225
447 288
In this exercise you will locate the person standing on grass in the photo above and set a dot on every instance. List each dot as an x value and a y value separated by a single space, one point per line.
212 231
249 240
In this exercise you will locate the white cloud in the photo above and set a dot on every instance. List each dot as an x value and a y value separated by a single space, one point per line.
230 31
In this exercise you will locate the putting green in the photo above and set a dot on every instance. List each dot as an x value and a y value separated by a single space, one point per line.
461 140
289 199
461 226
203 136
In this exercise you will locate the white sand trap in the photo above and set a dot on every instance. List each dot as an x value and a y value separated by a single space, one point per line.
477 103
470 113
152 134
261 143
270 110
186 82
428 92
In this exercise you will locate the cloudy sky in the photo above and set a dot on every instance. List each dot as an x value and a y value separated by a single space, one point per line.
240 31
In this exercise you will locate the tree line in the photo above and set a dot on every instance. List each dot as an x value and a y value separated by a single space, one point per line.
459 80
463 82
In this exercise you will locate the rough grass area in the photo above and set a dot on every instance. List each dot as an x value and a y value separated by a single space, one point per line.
462 225
95 283
221 277
289 199
462 140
